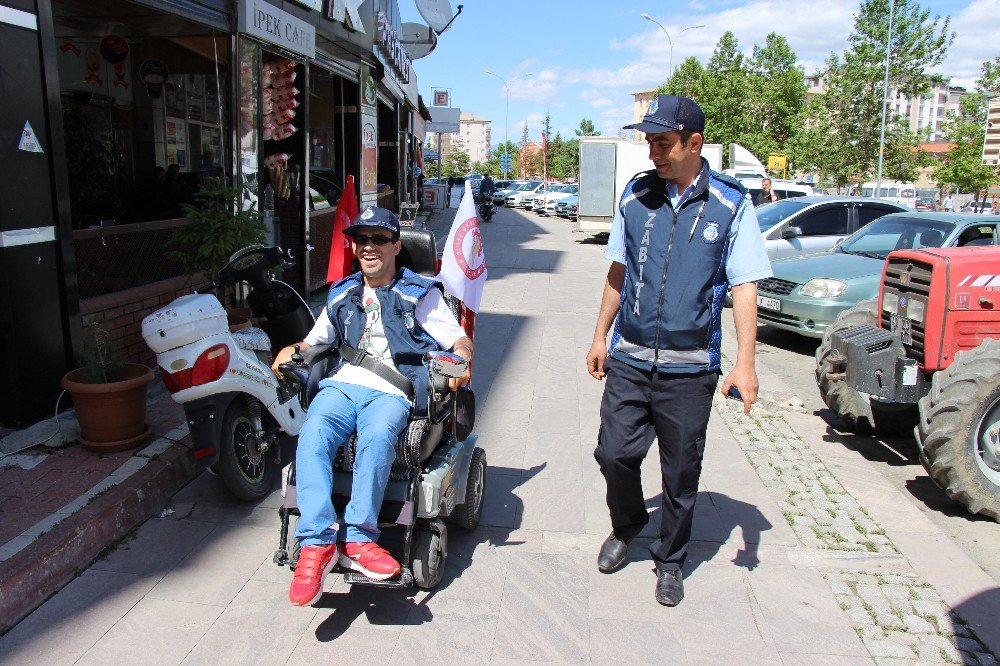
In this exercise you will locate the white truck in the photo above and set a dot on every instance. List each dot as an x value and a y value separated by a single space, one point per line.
607 163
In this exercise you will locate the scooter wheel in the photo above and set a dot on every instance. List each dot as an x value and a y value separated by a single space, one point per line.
247 472
468 514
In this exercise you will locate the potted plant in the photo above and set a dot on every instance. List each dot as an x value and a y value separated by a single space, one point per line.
219 227
109 395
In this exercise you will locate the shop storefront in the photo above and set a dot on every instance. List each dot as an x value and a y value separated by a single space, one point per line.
136 106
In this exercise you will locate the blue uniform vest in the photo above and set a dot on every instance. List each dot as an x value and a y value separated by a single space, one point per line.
675 280
408 342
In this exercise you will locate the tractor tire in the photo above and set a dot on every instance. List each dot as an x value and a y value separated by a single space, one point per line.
852 407
960 429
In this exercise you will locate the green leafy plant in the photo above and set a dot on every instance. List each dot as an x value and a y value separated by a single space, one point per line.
219 227
100 361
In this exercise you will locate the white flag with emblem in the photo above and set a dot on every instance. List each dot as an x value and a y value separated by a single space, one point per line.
463 264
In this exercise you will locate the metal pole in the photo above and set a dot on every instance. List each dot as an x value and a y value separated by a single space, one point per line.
885 103
671 68
506 131
506 117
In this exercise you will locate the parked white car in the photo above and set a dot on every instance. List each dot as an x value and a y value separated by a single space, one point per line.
545 204
527 189
500 196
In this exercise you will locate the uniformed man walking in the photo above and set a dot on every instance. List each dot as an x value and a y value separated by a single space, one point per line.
684 233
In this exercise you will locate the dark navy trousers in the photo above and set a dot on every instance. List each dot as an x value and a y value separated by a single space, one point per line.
639 405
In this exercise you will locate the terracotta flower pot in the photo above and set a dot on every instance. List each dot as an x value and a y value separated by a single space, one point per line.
112 416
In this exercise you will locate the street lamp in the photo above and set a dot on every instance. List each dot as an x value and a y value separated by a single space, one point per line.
669 40
506 136
885 101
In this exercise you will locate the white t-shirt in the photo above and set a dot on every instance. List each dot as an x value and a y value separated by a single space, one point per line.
432 314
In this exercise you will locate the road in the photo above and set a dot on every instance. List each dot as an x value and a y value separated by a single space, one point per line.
791 356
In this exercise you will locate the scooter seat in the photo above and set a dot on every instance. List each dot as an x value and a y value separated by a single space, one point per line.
252 339
413 447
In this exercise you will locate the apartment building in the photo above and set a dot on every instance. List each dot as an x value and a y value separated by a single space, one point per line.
929 113
474 133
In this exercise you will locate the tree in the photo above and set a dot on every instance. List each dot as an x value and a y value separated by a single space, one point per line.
456 162
725 95
524 135
686 80
840 135
586 128
963 167
548 141
778 96
566 160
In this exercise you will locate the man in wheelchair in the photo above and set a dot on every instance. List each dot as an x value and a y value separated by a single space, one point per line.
383 320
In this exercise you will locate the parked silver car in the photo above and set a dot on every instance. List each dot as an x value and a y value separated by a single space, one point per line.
807 225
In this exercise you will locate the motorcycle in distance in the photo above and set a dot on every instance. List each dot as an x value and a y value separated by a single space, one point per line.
243 419
486 209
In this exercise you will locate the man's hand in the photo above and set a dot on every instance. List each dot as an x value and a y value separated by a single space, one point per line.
745 381
595 359
285 355
464 349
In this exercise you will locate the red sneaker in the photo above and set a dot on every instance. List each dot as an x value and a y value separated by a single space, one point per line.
315 562
369 558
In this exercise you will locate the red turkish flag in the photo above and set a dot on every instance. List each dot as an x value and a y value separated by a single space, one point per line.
341 255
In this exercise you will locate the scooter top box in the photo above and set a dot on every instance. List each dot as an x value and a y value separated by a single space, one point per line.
186 320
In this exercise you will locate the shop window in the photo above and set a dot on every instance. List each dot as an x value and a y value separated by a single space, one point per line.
144 111
144 102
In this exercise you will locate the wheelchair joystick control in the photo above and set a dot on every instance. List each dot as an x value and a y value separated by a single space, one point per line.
297 356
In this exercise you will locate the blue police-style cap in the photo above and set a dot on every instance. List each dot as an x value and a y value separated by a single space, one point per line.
373 216
670 113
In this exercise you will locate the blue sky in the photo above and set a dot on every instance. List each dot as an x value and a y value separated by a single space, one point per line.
587 57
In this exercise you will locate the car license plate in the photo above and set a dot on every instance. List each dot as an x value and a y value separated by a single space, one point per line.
769 303
901 324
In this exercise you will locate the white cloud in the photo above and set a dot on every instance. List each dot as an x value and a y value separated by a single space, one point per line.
977 27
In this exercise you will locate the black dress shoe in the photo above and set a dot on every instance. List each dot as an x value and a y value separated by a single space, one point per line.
669 586
613 553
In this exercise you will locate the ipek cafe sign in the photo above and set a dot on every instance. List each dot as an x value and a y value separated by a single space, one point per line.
265 21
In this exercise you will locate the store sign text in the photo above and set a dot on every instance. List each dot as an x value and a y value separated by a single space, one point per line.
392 48
267 22
346 12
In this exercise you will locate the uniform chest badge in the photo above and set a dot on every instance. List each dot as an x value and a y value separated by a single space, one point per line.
711 232
409 321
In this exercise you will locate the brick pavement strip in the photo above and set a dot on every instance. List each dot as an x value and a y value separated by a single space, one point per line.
898 616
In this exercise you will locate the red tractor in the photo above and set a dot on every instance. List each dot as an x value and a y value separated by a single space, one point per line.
930 341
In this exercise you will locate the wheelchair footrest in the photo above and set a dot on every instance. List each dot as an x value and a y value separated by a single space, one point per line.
404 580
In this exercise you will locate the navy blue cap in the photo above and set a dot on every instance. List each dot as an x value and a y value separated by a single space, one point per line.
670 113
373 216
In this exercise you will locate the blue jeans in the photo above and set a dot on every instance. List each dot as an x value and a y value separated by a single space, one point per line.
337 411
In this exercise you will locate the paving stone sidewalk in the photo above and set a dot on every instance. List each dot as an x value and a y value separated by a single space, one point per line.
897 615
523 587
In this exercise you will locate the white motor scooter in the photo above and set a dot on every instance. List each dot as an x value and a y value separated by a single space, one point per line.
242 417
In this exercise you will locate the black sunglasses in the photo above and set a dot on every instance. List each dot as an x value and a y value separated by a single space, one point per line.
361 239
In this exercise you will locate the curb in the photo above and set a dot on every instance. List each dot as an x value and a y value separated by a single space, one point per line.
33 575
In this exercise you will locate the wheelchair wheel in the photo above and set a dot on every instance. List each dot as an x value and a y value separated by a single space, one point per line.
468 514
246 471
294 547
429 552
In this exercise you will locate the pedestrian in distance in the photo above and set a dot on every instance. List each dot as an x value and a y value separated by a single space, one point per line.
386 319
682 235
949 203
767 193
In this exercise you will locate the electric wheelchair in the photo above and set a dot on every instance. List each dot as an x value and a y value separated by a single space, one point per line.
439 475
